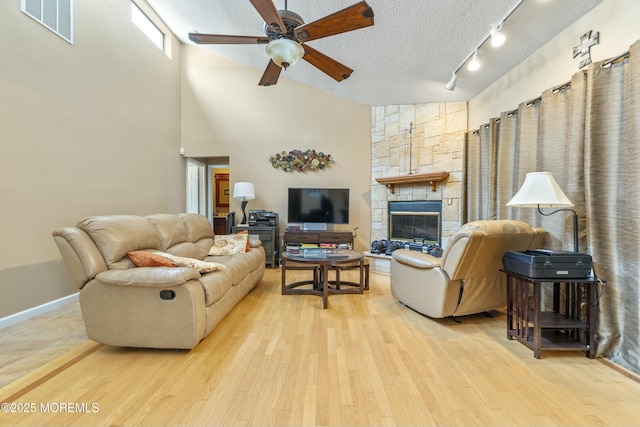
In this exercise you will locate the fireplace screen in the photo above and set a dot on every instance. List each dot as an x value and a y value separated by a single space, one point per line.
423 227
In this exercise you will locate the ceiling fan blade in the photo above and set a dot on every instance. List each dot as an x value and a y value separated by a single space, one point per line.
270 14
271 74
359 15
327 65
223 39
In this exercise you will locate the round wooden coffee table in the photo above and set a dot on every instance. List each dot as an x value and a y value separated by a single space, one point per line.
320 262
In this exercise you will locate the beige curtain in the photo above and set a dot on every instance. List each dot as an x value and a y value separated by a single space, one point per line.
480 176
612 180
505 163
585 132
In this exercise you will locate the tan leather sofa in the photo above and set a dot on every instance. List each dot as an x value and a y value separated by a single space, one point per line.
467 278
154 307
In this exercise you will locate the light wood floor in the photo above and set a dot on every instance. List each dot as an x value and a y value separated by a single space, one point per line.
367 360
33 342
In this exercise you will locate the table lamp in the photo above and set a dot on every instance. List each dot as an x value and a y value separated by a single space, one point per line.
540 190
243 191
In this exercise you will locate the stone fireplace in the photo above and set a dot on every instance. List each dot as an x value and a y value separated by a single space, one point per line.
410 140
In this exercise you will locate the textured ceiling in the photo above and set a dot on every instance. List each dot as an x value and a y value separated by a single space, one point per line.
407 57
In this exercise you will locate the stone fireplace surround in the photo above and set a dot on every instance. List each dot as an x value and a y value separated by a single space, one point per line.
436 143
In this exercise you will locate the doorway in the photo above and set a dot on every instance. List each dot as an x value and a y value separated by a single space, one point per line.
208 191
196 187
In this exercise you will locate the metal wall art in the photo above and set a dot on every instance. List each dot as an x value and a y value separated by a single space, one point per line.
584 48
300 160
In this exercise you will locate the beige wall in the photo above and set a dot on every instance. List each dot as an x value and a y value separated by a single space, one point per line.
95 128
89 128
553 64
226 113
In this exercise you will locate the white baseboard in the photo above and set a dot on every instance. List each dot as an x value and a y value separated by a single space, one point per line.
35 311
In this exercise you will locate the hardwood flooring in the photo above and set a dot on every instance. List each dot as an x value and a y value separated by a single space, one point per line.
282 360
38 340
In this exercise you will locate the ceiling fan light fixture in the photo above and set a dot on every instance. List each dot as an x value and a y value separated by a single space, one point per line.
284 52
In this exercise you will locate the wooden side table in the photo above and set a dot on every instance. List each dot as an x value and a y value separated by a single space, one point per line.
560 328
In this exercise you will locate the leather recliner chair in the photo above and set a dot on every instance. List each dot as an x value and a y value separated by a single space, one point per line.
467 278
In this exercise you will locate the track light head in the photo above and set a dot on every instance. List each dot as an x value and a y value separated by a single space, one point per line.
452 83
474 64
497 38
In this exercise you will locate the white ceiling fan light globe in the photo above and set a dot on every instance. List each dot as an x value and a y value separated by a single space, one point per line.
284 52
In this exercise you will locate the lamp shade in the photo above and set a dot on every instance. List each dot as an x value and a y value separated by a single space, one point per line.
284 52
540 190
243 191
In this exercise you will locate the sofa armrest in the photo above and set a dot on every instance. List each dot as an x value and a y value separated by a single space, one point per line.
415 259
80 254
148 277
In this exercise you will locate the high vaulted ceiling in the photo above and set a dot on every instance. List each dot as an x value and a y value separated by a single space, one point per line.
407 57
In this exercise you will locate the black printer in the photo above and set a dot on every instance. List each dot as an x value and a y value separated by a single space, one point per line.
548 264
261 217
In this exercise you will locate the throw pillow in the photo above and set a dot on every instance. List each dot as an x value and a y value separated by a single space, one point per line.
201 266
229 244
248 243
149 259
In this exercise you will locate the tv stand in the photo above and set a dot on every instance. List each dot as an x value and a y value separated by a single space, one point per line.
318 237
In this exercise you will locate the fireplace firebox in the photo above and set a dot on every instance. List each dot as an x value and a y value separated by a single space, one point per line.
417 221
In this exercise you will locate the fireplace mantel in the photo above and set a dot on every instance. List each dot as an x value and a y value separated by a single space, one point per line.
413 178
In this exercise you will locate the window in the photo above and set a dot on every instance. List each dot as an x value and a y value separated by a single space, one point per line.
56 15
143 22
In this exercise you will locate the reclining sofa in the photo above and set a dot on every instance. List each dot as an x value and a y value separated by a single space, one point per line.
160 306
467 278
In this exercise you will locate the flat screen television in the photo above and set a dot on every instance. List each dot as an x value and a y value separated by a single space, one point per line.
318 205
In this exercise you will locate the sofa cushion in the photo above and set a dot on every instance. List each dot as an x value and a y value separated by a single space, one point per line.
229 244
117 235
199 232
215 286
170 228
237 265
185 235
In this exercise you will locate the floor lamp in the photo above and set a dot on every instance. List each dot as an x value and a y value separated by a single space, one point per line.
540 190
244 191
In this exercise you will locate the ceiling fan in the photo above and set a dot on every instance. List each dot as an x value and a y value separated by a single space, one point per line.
286 34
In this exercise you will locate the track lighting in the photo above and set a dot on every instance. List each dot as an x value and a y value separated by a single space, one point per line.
497 38
474 64
452 83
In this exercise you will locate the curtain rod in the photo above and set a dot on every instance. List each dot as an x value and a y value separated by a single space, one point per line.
556 89
615 59
563 86
534 101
